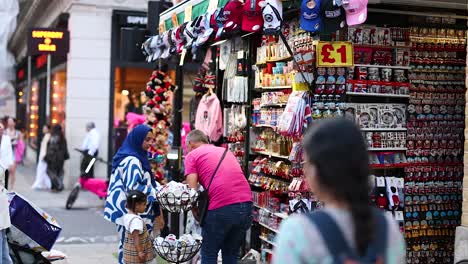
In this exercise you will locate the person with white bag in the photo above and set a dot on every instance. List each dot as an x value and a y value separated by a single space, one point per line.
6 160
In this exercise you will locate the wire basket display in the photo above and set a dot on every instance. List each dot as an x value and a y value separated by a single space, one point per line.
177 202
177 251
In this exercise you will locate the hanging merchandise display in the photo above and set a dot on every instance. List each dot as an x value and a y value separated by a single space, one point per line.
158 111
282 65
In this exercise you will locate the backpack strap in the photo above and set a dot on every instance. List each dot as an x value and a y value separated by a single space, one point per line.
338 246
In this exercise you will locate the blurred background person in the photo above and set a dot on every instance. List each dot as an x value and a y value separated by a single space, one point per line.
17 145
42 180
135 105
56 155
337 171
6 154
90 148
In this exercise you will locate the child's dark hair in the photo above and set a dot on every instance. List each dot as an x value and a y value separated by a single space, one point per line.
134 198
337 149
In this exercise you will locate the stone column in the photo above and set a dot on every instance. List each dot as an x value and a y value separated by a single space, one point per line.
461 236
88 82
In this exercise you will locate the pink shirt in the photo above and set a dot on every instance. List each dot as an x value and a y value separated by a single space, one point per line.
229 185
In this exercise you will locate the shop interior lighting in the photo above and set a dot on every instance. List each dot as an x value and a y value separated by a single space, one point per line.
125 92
20 93
32 126
55 95
55 82
34 89
54 108
32 116
32 134
54 121
20 100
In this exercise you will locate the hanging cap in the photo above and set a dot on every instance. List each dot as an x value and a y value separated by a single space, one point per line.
252 19
311 19
333 16
205 30
159 47
220 19
233 14
167 46
356 12
272 12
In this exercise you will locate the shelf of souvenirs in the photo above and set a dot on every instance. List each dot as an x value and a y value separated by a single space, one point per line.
263 125
264 239
279 215
382 46
437 40
388 166
271 60
387 149
282 87
273 105
383 129
423 164
438 82
436 70
383 66
270 154
378 94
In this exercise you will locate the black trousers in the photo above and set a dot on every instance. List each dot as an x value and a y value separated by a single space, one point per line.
6 178
84 164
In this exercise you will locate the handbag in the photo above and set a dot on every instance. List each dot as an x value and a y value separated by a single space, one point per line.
203 199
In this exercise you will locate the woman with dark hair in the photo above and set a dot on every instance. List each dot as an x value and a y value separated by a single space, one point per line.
348 228
131 170
56 155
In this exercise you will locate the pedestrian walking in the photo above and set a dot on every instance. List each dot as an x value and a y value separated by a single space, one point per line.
131 170
90 148
16 139
348 229
42 181
6 159
138 246
56 155
229 213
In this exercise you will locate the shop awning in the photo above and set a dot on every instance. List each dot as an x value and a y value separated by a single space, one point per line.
198 8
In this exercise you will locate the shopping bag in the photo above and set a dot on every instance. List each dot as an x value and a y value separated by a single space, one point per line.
31 226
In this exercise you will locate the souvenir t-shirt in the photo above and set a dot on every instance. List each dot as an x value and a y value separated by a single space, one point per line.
133 222
229 185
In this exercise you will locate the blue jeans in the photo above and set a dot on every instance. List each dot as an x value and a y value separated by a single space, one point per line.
225 229
4 252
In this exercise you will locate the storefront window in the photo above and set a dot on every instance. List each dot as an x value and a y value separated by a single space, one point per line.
57 98
34 114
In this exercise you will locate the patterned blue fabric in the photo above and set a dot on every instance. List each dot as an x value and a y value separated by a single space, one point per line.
127 176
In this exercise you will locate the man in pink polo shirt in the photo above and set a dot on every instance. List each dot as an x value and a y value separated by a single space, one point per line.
230 199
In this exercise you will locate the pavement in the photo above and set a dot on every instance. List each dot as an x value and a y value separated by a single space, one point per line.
86 237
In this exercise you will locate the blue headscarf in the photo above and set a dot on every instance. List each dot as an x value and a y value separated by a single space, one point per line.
132 147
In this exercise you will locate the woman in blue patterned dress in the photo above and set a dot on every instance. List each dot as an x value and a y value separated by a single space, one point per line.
131 170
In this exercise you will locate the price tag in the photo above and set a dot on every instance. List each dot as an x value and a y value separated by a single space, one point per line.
162 27
400 183
335 54
175 21
380 181
399 216
298 58
212 5
182 57
188 13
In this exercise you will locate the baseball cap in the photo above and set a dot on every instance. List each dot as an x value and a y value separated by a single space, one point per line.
356 12
159 47
333 16
272 12
167 47
311 19
252 19
220 19
233 14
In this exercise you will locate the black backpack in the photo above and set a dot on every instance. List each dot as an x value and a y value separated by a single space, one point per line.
338 246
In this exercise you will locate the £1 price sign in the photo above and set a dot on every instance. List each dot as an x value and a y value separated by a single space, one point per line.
335 54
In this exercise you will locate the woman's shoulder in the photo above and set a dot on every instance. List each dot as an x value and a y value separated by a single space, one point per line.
130 161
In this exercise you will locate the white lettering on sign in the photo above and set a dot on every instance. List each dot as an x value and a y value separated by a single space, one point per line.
137 20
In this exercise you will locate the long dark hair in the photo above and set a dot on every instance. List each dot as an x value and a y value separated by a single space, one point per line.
134 198
57 131
337 148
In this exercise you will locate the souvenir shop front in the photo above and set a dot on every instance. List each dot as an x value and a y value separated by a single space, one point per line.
269 69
